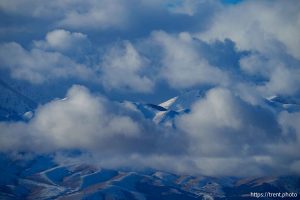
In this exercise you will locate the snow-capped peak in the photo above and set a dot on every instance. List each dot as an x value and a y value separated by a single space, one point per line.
167 104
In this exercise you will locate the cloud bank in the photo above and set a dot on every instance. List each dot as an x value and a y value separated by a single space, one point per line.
220 134
150 51
38 66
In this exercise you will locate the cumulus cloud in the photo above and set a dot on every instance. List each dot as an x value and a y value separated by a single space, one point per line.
245 52
221 134
228 134
89 14
182 66
38 66
134 16
269 31
188 7
88 122
32 8
283 81
123 68
280 76
78 121
263 26
287 149
98 14
63 40
225 120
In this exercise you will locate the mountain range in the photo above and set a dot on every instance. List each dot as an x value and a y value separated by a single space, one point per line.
40 177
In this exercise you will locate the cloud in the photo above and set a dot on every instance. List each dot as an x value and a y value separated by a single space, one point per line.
182 65
98 14
256 64
268 31
283 81
243 51
228 134
90 123
225 120
220 135
123 68
262 26
281 77
187 7
287 150
30 8
62 40
38 66
79 120
89 14
133 17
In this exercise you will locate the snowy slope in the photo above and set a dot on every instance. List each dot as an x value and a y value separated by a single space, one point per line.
41 178
166 112
284 103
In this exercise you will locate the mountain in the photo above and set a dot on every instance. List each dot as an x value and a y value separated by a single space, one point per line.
40 178
166 112
13 104
284 103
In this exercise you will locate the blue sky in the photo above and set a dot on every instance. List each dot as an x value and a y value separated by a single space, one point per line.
99 52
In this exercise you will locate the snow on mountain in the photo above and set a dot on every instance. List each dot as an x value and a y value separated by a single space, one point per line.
16 104
183 101
283 103
167 104
34 180
42 178
166 112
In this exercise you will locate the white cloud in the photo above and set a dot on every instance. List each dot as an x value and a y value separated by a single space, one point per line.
223 115
265 26
31 8
286 151
227 130
98 15
38 66
290 127
182 66
63 40
269 30
87 122
281 79
90 14
123 68
14 136
227 134
81 120
220 135
256 64
134 16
